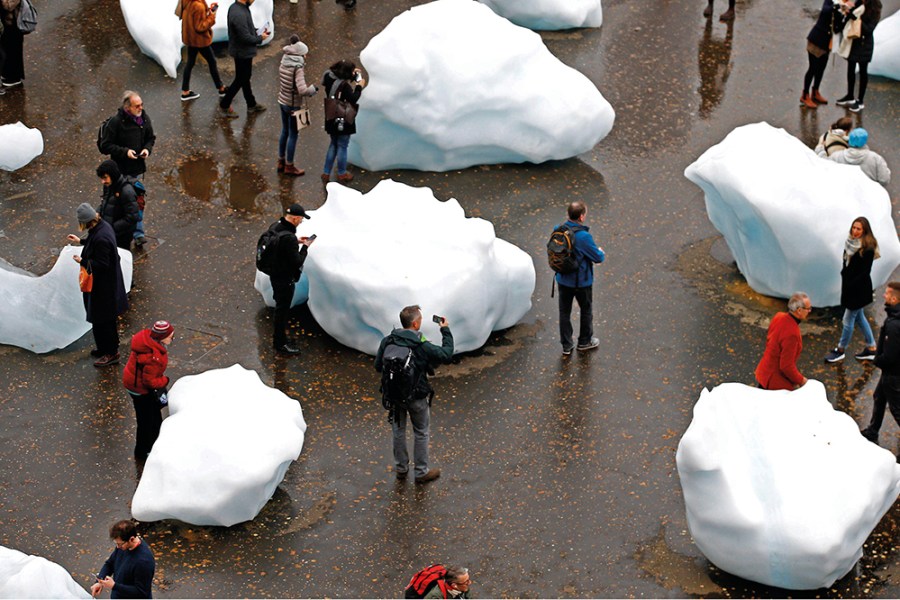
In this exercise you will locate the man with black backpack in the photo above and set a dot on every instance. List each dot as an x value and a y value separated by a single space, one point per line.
405 359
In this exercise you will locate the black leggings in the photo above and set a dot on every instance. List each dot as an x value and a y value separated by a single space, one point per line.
863 78
207 53
815 71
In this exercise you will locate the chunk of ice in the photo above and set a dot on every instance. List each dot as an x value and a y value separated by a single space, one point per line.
886 54
549 14
26 576
19 145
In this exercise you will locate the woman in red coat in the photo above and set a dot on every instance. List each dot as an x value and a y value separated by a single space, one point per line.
146 382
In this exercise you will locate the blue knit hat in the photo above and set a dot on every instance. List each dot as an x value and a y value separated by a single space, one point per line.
858 137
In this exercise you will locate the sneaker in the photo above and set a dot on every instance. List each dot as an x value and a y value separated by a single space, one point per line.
2 91
107 360
256 108
834 356
228 113
846 100
431 475
287 349
865 354
222 91
11 83
856 106
140 241
567 351
590 346
191 95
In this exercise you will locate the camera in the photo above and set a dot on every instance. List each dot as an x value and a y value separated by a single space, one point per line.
339 124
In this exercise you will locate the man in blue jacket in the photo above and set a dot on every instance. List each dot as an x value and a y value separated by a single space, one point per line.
128 572
578 285
242 43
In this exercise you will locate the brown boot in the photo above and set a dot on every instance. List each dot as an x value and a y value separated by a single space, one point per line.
818 98
806 101
708 11
345 178
325 177
279 166
290 169
726 16
431 475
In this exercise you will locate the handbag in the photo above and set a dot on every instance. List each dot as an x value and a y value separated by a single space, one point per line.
26 21
301 115
854 31
339 110
86 278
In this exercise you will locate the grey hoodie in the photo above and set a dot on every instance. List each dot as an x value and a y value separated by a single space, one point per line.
871 163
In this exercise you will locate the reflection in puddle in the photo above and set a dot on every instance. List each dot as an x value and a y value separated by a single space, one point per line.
244 187
197 176
239 187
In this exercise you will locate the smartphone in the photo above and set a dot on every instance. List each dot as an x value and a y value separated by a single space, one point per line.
97 575
214 7
357 76
437 319
312 237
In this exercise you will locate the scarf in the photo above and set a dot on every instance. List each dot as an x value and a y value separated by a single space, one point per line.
851 247
139 120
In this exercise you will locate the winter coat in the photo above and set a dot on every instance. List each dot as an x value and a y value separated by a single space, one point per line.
823 31
290 253
242 36
119 208
887 356
863 46
834 140
107 299
292 85
344 91
122 134
856 281
10 12
196 23
440 590
146 366
425 354
777 370
586 253
871 163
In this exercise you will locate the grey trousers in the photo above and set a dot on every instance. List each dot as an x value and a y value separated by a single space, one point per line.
419 416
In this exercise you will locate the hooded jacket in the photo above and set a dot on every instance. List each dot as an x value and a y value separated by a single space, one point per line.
196 23
871 163
119 208
146 366
586 253
292 86
425 354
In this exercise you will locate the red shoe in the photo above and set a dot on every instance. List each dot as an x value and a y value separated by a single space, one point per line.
808 102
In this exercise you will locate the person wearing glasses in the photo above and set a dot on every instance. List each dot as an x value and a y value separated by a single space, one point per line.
777 370
128 572
455 584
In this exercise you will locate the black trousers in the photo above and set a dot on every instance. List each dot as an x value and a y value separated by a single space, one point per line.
13 67
283 291
863 78
106 336
887 395
243 71
815 71
149 420
584 296
207 54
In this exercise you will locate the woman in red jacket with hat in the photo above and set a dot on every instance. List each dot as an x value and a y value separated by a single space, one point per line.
146 382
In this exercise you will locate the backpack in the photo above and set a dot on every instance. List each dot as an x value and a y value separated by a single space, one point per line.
101 133
267 250
139 190
561 249
26 21
339 110
398 377
422 582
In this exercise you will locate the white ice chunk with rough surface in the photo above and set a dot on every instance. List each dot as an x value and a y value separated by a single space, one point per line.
549 14
785 213
452 84
19 145
46 313
26 576
781 488
886 55
226 445
399 245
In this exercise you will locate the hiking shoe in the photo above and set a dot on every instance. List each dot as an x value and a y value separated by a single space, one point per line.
191 95
589 346
870 435
256 108
835 355
856 106
107 360
567 351
11 83
290 169
228 113
846 100
287 349
431 475
865 354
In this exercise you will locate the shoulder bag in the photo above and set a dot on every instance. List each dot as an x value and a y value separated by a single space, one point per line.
301 115
86 278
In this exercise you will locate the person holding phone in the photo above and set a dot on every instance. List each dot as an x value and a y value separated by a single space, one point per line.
197 20
243 40
128 572
342 82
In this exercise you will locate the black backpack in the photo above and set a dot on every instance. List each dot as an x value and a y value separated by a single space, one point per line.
561 249
399 377
267 250
102 132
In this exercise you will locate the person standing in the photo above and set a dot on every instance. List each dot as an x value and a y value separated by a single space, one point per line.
425 356
128 138
887 358
128 572
818 47
197 20
860 251
344 82
861 53
12 43
777 370
579 284
871 163
292 89
242 43
119 205
728 15
107 299
146 382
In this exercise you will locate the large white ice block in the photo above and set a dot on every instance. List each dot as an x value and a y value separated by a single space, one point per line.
19 145
45 313
26 576
399 245
785 213
452 84
779 487
886 55
157 31
226 445
549 14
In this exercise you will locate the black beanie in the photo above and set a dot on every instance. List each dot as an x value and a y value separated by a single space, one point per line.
109 167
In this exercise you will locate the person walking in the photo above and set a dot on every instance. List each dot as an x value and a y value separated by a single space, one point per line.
197 20
128 572
777 369
342 82
871 163
119 205
454 584
836 138
860 52
728 15
887 358
578 285
860 250
146 382
242 44
818 47
424 357
107 299
12 42
292 89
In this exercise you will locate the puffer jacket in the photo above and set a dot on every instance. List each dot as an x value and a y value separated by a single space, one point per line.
292 86
119 208
871 163
145 370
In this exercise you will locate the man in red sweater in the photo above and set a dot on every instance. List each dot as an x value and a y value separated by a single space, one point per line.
777 370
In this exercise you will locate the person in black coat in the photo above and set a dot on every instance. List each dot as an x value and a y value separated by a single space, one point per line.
861 54
242 43
342 81
128 137
887 358
107 300
860 251
119 206
818 47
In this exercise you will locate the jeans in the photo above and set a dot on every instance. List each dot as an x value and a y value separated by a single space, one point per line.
139 228
851 318
283 292
243 71
149 420
287 142
419 415
887 394
207 53
106 336
584 297
337 148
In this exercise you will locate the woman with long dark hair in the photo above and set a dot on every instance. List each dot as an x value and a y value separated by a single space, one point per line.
861 53
818 47
342 81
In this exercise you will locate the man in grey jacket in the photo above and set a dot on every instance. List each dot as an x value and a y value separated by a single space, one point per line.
871 163
242 43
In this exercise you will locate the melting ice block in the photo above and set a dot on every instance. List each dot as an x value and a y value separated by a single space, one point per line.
226 445
886 55
399 245
26 576
45 313
785 213
452 84
779 487
549 14
19 145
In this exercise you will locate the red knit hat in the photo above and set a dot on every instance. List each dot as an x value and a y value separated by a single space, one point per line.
161 330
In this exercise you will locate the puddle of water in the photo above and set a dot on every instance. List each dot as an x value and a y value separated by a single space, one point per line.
240 187
197 176
244 185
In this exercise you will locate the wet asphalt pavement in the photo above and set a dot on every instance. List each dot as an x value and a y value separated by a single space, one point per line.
559 473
